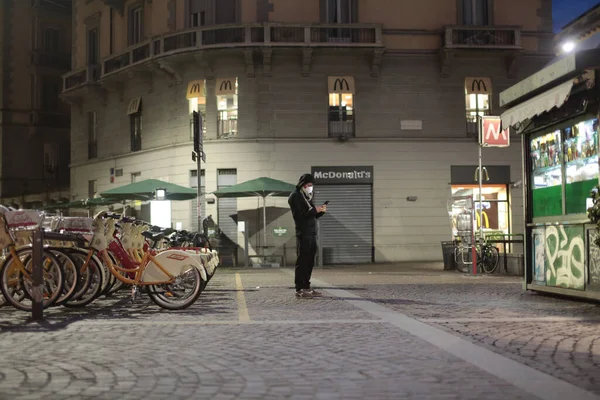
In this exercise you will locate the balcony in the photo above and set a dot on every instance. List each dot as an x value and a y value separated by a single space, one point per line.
501 40
178 47
80 77
482 37
51 60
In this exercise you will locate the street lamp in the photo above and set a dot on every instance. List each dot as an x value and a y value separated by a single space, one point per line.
568 47
161 194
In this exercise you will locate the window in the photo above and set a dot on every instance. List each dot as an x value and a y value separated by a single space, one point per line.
227 108
341 106
111 30
564 169
341 11
135 125
475 12
135 177
495 214
50 159
33 90
197 19
50 93
92 135
226 12
92 189
136 25
93 48
477 98
50 40
196 94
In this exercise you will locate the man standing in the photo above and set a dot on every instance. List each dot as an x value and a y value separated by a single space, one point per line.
305 216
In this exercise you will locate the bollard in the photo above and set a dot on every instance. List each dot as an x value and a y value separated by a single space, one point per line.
37 290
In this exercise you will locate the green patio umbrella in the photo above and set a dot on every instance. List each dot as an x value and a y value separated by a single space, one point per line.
262 187
146 190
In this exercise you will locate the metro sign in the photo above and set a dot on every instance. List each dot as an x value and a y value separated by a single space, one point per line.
490 133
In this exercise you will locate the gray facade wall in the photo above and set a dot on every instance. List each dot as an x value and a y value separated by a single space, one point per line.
283 131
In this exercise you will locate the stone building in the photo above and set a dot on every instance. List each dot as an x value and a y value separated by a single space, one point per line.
35 47
377 98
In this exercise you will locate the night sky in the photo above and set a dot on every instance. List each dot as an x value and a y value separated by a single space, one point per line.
566 10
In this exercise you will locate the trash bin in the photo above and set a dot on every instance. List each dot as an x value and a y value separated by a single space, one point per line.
448 253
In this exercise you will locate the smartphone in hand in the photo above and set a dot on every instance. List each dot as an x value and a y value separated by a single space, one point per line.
327 202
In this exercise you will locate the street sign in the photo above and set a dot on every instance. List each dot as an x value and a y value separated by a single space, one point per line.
280 231
490 133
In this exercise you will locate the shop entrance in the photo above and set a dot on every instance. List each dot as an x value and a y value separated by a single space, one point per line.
496 216
346 231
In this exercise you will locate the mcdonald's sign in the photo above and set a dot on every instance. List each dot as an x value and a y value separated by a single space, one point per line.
195 89
225 86
341 84
478 85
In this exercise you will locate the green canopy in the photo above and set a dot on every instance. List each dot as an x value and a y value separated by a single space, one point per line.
146 189
263 187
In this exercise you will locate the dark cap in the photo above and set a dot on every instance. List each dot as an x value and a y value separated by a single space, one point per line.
305 180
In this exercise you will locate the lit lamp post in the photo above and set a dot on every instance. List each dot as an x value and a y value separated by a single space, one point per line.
568 47
161 194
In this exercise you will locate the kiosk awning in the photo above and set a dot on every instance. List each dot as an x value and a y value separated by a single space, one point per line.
554 97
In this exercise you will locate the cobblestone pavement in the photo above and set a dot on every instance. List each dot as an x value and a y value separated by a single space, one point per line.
247 337
558 336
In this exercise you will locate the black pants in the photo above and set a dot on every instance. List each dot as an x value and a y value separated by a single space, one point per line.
306 249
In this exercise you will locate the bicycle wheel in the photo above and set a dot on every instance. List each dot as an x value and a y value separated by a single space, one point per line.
90 282
17 288
71 275
181 294
489 259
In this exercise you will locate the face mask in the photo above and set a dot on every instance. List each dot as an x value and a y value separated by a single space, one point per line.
309 189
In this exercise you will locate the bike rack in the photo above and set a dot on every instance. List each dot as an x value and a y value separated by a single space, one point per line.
37 275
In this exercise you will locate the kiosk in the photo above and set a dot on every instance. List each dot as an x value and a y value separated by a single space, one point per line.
556 113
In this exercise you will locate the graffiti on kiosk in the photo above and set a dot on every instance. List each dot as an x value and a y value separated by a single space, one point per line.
594 258
565 263
539 270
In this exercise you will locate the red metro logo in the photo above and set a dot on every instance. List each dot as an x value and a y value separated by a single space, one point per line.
491 134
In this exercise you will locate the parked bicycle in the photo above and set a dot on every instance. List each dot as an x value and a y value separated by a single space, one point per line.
488 257
91 257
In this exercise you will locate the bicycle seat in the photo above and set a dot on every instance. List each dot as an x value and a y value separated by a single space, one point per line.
153 236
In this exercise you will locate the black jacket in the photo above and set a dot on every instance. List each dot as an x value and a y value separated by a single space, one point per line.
305 214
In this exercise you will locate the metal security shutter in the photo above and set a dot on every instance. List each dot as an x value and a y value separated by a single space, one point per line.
225 209
194 184
347 228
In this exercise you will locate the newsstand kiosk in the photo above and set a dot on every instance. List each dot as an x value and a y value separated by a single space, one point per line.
556 112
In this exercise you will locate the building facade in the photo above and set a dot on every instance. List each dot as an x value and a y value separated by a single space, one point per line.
379 100
35 38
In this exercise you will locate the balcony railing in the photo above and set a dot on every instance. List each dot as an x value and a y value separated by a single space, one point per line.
51 60
227 128
80 77
253 35
341 128
482 37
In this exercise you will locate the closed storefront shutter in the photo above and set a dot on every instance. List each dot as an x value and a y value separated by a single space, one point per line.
227 208
347 228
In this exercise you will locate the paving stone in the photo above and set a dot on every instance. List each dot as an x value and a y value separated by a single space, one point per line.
316 349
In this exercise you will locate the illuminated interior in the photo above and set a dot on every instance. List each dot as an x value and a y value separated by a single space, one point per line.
227 108
495 207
